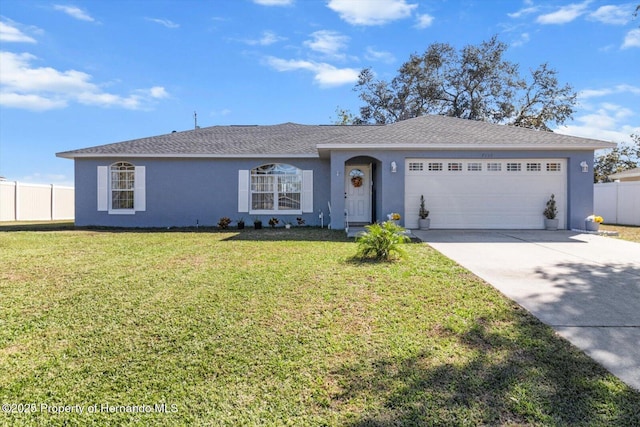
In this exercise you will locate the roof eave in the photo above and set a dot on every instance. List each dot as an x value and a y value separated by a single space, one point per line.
632 173
484 147
67 155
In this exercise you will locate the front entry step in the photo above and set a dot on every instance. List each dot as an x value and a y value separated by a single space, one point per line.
355 230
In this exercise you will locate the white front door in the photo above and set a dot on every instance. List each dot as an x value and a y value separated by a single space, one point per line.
358 193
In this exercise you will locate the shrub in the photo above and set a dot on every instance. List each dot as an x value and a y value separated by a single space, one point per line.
273 222
551 211
382 241
423 213
224 222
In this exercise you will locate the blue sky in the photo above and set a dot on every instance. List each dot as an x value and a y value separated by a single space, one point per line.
83 73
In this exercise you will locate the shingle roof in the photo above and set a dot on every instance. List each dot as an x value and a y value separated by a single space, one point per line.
291 139
286 138
443 131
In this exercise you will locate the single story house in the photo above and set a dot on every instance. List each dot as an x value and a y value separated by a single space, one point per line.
626 176
473 175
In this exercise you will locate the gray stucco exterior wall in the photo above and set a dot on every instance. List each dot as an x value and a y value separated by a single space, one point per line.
183 192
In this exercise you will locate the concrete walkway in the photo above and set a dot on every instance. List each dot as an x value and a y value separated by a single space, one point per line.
586 287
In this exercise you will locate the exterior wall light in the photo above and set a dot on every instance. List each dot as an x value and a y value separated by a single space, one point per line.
394 167
584 166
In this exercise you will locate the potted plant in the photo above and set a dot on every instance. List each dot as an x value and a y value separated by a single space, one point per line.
300 220
394 217
287 225
240 223
550 212
592 222
424 222
273 221
257 223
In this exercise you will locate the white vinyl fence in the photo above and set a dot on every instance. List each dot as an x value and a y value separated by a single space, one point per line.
35 202
618 202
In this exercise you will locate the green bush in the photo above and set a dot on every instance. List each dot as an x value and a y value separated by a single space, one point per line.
382 241
224 222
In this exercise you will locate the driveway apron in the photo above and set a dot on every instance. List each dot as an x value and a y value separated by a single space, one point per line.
585 286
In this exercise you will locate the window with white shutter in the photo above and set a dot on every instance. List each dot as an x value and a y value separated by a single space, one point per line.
121 188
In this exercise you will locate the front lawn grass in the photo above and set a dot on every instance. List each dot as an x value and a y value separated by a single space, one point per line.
276 327
626 232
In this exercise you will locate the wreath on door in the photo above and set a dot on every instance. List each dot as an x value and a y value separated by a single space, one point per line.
356 181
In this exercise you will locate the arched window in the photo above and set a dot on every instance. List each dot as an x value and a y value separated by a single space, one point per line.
122 185
276 187
121 189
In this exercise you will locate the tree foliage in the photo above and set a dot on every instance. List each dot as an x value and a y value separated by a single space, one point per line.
475 83
345 117
618 159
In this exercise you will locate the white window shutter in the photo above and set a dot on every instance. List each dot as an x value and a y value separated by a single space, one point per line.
307 191
139 192
243 191
103 190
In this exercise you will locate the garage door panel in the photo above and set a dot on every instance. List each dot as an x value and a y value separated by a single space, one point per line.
483 198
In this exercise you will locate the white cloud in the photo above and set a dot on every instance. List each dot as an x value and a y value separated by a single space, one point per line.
327 42
623 88
74 12
274 2
324 74
158 92
9 32
522 12
167 23
268 38
632 39
524 39
424 21
371 12
374 55
607 122
565 14
614 15
30 102
44 88
622 134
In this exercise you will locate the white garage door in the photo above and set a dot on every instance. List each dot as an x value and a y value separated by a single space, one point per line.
484 194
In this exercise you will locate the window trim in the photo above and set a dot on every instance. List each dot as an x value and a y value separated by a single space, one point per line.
494 167
534 166
276 194
132 189
553 167
105 191
514 167
416 166
454 167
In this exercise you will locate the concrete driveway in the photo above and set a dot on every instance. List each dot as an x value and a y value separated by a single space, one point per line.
586 287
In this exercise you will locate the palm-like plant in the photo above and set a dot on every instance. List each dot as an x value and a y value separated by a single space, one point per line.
382 241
